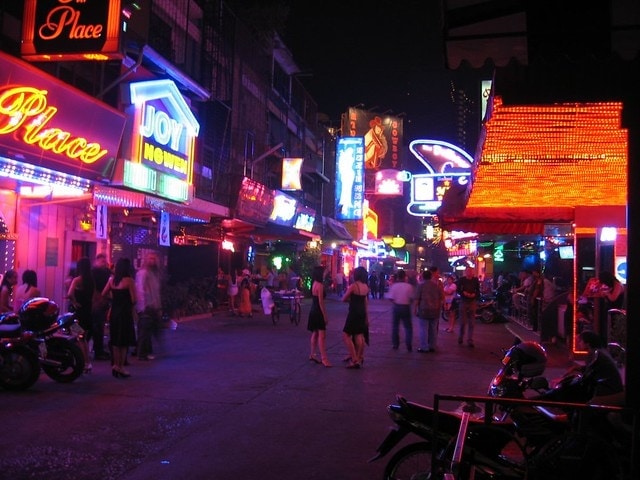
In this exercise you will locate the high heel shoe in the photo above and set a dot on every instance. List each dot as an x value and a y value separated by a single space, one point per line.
88 368
353 365
326 363
314 359
119 373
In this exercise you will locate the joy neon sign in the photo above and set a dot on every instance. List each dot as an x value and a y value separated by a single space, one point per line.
25 111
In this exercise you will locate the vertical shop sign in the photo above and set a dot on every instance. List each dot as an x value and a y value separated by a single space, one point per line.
165 230
101 222
349 178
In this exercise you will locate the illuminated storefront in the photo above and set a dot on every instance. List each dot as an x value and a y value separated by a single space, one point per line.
56 143
544 166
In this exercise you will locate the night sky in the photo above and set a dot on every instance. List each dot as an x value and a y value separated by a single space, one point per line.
384 56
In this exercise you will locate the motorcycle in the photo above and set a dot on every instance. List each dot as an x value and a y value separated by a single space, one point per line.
487 310
52 337
19 366
533 439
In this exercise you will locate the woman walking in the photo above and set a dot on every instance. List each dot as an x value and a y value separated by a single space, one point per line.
122 290
317 323
357 323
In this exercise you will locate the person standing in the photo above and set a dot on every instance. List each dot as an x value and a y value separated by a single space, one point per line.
149 305
373 284
101 273
339 282
121 288
356 326
244 307
80 295
221 286
9 281
317 323
535 296
382 283
401 295
28 289
469 287
450 293
232 291
429 302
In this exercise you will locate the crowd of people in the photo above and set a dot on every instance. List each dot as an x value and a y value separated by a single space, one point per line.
118 304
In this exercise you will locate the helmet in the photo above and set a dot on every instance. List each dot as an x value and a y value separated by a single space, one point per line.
527 358
38 314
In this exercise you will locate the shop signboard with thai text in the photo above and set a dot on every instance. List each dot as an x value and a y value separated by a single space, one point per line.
284 209
71 30
255 202
349 178
305 218
46 123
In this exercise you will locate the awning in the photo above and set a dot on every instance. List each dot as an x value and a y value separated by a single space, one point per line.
337 229
120 197
542 165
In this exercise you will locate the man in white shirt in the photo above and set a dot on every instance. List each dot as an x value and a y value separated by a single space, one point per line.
401 294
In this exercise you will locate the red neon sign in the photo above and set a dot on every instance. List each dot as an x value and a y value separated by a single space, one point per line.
24 110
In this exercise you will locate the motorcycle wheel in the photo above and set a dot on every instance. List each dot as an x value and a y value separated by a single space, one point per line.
488 315
64 362
19 368
412 462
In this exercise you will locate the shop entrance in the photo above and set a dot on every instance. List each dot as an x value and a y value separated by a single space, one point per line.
80 248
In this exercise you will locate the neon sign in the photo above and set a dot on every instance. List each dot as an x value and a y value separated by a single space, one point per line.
25 110
350 178
447 165
71 30
163 139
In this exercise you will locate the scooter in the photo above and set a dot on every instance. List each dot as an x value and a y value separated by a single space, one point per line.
53 338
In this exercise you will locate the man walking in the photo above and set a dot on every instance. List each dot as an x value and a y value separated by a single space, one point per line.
148 305
401 295
429 303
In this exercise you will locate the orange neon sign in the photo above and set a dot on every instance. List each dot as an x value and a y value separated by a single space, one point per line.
25 111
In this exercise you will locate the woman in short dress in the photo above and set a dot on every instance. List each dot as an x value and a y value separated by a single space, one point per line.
122 289
357 324
317 323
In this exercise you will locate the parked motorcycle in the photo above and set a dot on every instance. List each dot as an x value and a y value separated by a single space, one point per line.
52 337
487 310
19 366
541 440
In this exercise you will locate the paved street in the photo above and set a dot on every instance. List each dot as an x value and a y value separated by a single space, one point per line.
237 398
